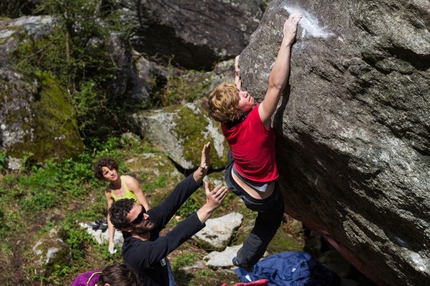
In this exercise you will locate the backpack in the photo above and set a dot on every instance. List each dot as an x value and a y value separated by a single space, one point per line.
291 268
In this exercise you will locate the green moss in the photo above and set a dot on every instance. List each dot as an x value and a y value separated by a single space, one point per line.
205 277
15 29
284 241
190 126
51 130
188 258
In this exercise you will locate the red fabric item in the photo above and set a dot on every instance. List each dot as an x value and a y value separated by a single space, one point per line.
261 282
253 148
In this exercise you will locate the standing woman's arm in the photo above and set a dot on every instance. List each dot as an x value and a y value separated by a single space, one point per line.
111 229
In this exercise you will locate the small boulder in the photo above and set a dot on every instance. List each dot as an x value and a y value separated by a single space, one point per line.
50 251
218 231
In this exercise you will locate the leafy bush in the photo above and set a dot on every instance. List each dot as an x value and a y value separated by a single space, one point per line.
39 201
3 159
16 8
78 52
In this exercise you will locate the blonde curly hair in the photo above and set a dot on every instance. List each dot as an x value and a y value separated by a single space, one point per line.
223 103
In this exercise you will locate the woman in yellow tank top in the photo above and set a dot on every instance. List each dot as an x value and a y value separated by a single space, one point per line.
120 187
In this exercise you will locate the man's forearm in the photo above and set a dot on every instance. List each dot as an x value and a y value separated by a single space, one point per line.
183 231
204 213
214 200
198 175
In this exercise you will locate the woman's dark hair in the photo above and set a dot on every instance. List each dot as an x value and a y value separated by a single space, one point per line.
118 212
104 162
119 275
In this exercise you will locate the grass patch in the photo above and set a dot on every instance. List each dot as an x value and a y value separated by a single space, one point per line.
187 259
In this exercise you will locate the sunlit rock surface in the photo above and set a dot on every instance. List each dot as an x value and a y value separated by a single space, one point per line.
353 142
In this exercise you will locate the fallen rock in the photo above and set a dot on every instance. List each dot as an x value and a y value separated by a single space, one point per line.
218 231
222 258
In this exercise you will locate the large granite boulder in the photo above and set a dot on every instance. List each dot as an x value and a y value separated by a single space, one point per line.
353 142
37 119
196 33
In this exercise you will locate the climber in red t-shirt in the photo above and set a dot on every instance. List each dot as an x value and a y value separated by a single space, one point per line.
251 172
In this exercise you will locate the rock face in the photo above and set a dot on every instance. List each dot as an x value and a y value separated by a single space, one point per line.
198 33
36 116
353 142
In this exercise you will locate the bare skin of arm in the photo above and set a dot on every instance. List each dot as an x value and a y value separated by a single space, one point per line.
214 199
237 78
279 75
111 229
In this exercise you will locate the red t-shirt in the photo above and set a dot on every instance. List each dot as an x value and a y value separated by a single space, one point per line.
253 148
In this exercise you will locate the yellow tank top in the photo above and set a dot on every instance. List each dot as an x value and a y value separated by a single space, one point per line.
128 194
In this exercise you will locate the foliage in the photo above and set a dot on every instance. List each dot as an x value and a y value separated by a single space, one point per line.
281 242
189 207
108 148
45 185
3 159
186 259
78 51
15 8
79 39
33 195
75 237
204 273
182 86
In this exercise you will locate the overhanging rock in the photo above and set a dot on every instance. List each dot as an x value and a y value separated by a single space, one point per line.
353 143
